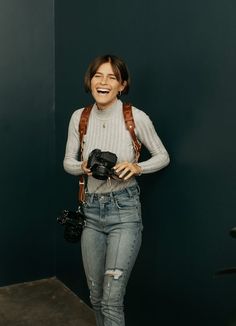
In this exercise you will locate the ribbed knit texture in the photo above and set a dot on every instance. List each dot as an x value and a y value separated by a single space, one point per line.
107 131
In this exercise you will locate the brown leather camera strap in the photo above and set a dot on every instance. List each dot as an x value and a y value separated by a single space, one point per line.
83 124
130 125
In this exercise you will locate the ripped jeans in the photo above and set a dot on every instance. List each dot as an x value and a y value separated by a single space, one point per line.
110 244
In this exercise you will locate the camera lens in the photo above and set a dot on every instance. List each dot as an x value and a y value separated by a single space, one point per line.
101 172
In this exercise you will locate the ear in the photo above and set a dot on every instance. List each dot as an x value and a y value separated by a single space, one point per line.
123 85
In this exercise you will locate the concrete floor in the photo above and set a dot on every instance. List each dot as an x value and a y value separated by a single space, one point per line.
42 303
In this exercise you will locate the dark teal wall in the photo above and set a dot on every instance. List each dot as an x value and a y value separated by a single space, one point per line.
181 55
26 138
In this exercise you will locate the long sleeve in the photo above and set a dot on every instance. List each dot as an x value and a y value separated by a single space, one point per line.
71 163
146 133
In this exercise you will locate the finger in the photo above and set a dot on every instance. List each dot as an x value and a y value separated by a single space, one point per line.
124 172
128 175
120 170
120 166
86 170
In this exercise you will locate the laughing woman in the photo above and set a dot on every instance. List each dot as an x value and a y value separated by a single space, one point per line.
112 236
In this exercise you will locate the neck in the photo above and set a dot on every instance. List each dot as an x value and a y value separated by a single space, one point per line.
105 107
108 111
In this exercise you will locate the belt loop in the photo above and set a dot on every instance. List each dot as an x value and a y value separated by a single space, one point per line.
129 192
91 198
112 196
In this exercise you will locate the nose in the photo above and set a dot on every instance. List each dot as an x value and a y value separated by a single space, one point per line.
104 80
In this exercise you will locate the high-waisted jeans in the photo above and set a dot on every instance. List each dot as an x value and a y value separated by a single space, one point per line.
110 244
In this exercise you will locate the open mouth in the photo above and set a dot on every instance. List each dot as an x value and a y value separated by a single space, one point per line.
103 90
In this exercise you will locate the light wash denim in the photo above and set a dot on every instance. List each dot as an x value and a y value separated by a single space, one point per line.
110 244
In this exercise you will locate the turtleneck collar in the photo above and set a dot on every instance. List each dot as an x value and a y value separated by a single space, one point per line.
106 113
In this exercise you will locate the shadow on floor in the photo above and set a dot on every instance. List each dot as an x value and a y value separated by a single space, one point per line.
43 303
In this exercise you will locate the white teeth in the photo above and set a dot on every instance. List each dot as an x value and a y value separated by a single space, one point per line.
103 90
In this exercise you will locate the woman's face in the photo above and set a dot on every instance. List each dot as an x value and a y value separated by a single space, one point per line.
105 86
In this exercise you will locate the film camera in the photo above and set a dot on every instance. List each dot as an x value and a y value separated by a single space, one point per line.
101 164
74 222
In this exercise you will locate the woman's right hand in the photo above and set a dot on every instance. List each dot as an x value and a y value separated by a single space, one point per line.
85 169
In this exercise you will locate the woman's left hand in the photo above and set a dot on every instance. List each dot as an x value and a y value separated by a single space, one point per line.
126 170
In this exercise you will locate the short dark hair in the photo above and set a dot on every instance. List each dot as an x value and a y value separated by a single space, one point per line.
118 65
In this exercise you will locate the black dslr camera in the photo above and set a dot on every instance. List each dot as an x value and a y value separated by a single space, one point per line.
101 164
74 222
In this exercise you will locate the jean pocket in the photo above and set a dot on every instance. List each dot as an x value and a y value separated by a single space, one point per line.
124 202
129 209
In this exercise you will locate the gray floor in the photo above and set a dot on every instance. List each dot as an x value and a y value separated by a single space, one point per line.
42 303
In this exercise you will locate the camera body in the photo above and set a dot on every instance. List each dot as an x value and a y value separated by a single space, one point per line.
101 164
74 222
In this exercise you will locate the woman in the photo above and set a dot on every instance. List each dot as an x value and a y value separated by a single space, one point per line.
112 236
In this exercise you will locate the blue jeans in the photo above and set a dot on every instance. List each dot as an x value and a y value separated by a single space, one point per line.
110 244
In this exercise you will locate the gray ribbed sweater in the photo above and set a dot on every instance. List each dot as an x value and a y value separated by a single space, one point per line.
107 131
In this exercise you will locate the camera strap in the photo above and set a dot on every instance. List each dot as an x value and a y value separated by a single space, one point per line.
130 125
82 131
83 124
